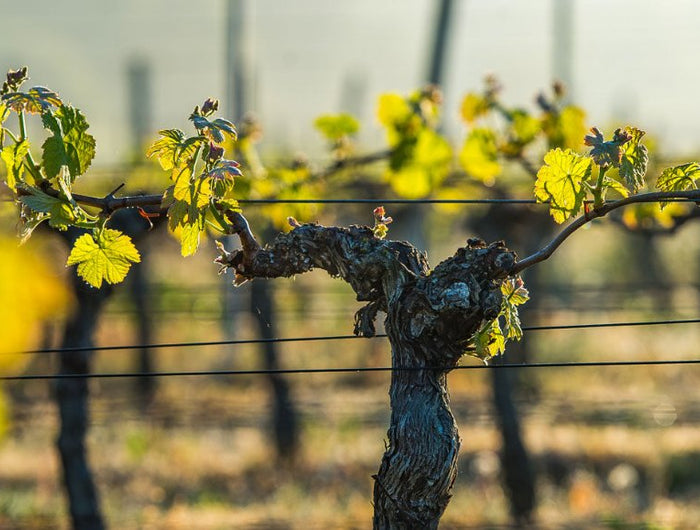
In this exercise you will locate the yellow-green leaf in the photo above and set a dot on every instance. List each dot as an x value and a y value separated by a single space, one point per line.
473 107
334 127
392 108
189 238
104 256
679 178
635 157
13 156
410 182
489 341
479 155
514 294
560 182
566 129
524 127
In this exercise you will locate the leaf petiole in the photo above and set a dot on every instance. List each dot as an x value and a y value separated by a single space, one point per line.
598 189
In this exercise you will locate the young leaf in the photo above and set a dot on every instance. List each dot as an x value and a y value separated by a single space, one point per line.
392 108
335 127
560 181
70 145
216 130
13 156
606 153
679 178
189 238
566 128
177 214
167 148
410 182
489 341
36 100
524 127
635 157
381 222
174 151
615 185
38 201
61 213
514 294
473 107
104 256
479 155
222 176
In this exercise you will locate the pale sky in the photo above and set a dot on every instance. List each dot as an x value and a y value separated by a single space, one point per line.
634 60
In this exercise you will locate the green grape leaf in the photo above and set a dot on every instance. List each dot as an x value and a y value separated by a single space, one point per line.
679 178
103 256
479 155
489 341
514 295
37 200
189 238
174 150
70 146
216 130
177 214
222 176
335 127
635 157
13 156
54 157
615 185
560 182
473 107
167 148
36 100
196 193
61 213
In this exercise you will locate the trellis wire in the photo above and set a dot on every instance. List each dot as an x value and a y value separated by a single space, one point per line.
355 369
335 337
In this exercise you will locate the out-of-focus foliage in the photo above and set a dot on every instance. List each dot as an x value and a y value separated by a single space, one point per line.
420 158
30 293
498 133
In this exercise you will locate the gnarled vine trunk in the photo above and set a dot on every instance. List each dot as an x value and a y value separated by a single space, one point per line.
431 317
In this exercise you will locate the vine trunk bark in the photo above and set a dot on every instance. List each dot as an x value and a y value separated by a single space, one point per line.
431 319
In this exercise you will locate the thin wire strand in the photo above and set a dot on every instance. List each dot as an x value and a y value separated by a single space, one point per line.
334 337
421 201
389 201
406 201
357 369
